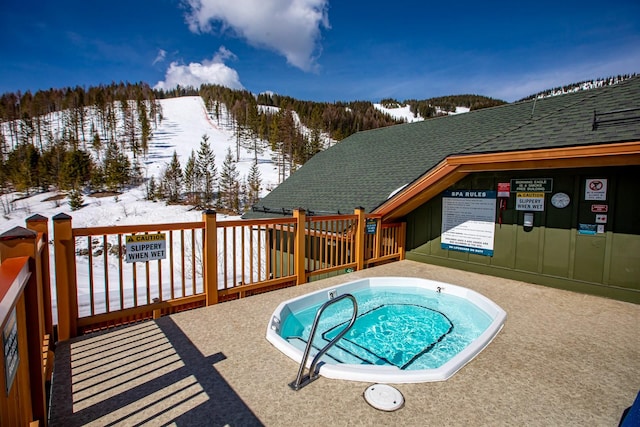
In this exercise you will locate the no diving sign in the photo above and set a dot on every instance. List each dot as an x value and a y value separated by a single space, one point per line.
146 247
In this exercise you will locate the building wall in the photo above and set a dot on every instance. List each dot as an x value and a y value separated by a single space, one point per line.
556 251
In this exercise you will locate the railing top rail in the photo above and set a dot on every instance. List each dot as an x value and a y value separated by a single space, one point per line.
14 273
257 222
319 218
143 228
391 224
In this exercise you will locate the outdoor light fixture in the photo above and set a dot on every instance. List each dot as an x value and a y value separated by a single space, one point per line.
528 221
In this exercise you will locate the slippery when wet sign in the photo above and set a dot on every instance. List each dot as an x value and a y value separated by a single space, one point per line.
146 247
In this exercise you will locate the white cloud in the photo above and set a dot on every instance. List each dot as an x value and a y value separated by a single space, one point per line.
162 54
195 74
289 27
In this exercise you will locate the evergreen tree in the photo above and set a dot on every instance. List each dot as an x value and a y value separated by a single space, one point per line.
23 167
172 180
137 176
191 180
117 167
152 189
50 164
76 169
144 126
96 144
75 199
229 185
97 179
206 170
253 185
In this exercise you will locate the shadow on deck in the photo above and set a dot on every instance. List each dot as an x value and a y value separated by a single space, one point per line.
150 373
562 358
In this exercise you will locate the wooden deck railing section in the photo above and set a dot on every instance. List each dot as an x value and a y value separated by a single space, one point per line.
26 361
205 262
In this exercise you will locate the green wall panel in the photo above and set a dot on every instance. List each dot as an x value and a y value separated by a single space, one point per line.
553 252
589 258
527 249
556 252
504 246
625 265
460 256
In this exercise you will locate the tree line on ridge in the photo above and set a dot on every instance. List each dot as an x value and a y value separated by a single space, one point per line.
79 140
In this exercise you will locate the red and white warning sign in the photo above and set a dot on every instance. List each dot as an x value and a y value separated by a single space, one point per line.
601 219
595 189
504 189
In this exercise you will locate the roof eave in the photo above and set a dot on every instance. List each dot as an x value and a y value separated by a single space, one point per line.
454 168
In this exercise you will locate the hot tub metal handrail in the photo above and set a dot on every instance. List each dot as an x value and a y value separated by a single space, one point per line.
302 380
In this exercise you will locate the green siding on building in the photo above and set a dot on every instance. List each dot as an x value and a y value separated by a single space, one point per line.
554 252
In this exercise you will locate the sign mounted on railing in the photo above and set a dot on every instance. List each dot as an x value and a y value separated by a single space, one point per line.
10 344
371 224
146 247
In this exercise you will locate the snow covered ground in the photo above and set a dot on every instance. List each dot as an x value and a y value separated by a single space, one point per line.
404 112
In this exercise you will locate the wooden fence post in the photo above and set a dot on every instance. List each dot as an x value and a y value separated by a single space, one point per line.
299 250
15 396
40 224
210 255
378 240
14 243
360 249
402 239
64 246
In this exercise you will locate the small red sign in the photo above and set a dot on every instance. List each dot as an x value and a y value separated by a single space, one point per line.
599 208
504 188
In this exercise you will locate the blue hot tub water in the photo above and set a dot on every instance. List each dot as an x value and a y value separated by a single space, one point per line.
410 329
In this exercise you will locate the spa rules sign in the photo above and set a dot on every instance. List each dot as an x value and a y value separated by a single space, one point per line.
468 221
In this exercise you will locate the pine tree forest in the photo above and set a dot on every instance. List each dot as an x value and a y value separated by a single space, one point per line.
95 140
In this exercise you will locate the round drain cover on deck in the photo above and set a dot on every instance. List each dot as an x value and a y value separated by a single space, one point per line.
384 397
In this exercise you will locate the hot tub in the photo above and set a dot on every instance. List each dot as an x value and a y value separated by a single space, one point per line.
408 329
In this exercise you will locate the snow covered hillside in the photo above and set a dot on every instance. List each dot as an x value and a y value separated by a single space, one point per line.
404 112
185 121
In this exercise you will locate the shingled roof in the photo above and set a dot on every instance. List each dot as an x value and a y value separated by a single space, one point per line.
367 168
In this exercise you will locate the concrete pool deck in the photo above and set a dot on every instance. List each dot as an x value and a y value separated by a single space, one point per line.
562 358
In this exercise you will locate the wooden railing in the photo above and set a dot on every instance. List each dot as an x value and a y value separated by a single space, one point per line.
26 362
205 262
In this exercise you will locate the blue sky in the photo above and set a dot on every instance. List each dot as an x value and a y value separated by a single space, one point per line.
323 50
